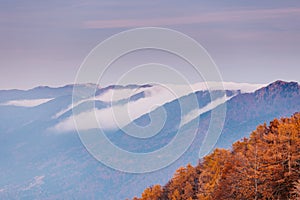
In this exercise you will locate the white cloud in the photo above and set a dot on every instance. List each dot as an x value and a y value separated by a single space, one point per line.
197 112
38 180
121 115
118 94
26 102
111 95
201 18
243 87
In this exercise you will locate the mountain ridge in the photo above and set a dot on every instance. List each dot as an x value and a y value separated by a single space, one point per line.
31 151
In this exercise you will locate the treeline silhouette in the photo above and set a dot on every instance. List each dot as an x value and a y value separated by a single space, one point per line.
264 166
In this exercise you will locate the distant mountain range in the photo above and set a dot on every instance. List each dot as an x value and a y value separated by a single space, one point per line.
42 157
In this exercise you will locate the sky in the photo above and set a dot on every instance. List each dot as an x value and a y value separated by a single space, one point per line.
45 42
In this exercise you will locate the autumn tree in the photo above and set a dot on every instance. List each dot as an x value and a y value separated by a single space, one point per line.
280 160
152 193
296 191
184 183
237 180
264 166
213 165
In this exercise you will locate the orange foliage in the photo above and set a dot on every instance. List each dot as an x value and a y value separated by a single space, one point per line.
265 166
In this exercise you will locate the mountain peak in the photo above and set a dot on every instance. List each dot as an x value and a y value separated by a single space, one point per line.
278 88
281 83
282 86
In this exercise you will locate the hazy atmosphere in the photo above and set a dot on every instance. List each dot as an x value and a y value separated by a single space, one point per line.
150 100
44 43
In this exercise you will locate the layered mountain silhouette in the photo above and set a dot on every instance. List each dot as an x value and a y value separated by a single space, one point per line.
42 156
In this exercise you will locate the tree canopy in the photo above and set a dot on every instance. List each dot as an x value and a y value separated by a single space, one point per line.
264 166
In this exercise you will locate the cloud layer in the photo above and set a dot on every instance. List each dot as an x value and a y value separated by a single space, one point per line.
26 102
120 115
204 18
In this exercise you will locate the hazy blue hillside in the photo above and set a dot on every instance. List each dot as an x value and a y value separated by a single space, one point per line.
42 158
